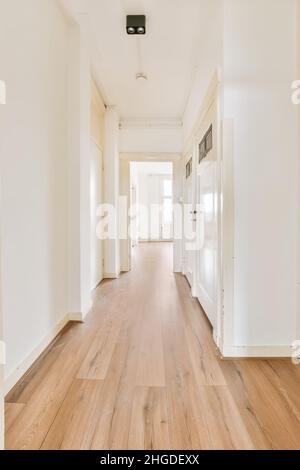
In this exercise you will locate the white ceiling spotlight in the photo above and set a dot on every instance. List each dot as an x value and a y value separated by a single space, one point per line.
141 77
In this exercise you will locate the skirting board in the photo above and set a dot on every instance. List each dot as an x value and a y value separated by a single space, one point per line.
256 351
111 276
17 374
76 317
125 269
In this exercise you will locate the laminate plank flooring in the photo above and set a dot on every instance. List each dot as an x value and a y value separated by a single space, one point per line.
143 373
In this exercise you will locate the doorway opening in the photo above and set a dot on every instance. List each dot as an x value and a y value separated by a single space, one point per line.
151 203
96 199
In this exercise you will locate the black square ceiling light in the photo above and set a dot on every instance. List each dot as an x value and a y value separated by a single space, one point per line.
136 24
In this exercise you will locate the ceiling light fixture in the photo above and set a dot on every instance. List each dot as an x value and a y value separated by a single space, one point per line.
136 24
141 77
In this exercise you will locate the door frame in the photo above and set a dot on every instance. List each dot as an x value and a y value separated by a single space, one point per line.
223 331
125 160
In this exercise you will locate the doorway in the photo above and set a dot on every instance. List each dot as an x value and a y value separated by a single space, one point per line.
96 198
207 209
151 202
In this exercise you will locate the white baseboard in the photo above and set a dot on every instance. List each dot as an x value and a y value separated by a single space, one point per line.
125 269
76 317
256 351
194 293
177 269
111 275
15 376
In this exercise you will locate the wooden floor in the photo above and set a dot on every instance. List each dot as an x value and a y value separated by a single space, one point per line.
143 373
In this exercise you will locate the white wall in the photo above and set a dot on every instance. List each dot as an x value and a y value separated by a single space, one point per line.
33 51
111 188
79 163
259 66
84 117
151 168
151 140
149 194
124 219
96 183
73 185
134 197
96 194
208 58
256 48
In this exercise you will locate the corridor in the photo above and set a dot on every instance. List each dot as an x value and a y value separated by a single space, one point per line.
143 373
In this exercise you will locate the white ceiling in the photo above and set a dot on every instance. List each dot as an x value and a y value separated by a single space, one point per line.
168 54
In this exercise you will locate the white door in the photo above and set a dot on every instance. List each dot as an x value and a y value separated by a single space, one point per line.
208 221
189 254
96 195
